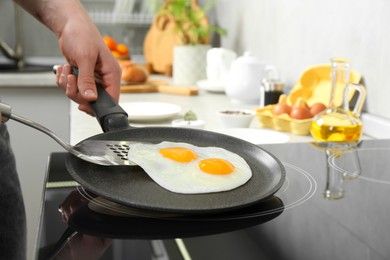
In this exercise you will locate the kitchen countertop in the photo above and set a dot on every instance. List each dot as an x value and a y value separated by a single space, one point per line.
310 225
204 106
82 126
32 79
323 223
39 76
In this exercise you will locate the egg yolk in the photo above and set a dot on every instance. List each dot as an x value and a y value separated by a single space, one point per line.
216 166
179 154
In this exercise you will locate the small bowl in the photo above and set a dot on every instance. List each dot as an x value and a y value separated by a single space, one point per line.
197 124
235 118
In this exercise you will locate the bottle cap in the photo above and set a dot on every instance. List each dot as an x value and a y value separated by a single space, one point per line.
273 85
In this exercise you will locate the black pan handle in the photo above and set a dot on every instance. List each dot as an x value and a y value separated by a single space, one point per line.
109 114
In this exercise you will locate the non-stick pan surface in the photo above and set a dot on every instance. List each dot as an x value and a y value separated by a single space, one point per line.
130 185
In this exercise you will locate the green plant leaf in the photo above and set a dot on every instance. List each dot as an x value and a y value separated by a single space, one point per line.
190 116
189 22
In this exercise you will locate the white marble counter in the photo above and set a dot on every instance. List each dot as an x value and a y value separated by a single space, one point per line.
32 79
204 105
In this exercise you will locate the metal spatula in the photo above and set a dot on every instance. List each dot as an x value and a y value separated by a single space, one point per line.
101 152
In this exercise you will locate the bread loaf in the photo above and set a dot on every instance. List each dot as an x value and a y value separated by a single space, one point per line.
132 72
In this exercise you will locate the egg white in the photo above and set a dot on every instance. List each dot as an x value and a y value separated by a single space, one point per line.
187 178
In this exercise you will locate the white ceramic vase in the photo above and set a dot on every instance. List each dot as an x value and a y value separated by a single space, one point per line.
189 63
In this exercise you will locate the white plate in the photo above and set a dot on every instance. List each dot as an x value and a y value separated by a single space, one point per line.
212 86
256 136
150 111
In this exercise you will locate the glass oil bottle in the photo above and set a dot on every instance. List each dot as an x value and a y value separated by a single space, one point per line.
338 123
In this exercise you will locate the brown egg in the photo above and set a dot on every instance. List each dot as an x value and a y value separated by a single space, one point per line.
300 110
317 108
300 113
281 107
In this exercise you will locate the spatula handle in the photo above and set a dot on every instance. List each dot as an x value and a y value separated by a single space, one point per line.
5 111
109 114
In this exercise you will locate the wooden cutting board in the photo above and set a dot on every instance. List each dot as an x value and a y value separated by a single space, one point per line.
159 86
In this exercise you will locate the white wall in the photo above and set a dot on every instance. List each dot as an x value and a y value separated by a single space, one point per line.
295 34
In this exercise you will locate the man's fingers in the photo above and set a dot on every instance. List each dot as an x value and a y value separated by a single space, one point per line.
86 82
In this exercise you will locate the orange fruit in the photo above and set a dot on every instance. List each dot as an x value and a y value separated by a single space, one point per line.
122 49
116 54
110 42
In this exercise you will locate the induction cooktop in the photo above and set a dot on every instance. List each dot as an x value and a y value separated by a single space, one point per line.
333 205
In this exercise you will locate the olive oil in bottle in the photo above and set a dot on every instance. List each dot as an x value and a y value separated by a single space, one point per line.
338 123
336 127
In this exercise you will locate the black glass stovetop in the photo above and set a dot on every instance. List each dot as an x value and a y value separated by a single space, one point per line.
334 204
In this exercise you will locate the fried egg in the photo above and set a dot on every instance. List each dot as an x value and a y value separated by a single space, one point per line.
189 169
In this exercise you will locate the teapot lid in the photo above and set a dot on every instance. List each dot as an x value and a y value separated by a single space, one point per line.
248 58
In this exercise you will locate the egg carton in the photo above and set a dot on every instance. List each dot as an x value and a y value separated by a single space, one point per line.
282 122
313 86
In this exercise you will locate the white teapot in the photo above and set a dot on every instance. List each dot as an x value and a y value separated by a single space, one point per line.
245 78
219 61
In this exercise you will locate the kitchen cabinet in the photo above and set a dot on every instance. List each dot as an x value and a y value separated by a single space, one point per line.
128 27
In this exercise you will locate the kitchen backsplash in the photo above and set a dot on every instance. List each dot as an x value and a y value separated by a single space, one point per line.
290 34
295 34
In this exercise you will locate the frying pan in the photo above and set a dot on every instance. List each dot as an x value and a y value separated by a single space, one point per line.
131 186
87 221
